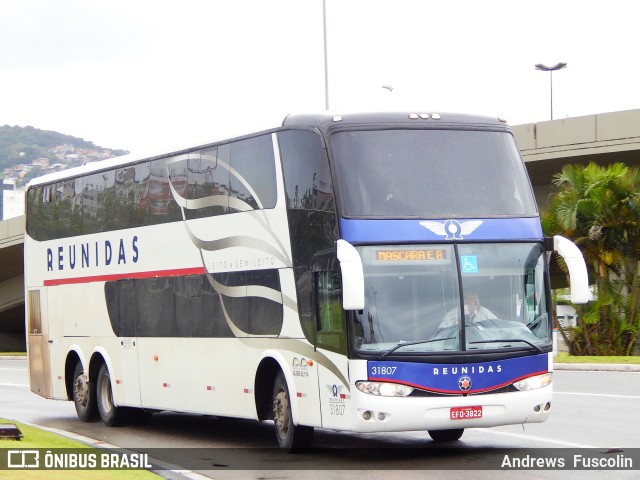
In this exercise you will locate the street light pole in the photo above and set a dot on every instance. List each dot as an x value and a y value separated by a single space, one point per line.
326 63
544 68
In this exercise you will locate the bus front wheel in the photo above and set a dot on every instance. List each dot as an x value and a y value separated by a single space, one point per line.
291 438
84 395
109 413
446 435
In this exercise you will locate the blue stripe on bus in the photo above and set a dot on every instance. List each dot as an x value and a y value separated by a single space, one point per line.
406 231
459 378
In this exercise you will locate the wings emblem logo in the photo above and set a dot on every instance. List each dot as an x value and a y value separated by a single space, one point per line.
452 229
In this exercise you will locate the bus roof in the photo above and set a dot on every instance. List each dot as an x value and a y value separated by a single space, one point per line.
324 121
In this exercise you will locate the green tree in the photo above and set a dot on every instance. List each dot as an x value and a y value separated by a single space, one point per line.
599 208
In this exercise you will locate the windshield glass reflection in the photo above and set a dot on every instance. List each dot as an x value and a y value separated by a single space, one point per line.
430 174
414 303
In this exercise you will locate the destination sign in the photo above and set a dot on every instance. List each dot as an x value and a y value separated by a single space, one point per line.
414 255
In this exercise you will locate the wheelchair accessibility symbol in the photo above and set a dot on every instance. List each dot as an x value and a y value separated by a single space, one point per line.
469 263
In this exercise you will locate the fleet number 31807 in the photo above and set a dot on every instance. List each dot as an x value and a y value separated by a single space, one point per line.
383 370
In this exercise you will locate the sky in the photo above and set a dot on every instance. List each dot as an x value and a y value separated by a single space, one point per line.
156 74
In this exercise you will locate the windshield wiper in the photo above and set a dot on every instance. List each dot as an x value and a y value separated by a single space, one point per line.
499 340
404 344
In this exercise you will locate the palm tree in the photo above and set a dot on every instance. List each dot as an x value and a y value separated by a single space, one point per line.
599 208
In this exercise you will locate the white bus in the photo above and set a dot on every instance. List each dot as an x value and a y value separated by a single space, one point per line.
314 274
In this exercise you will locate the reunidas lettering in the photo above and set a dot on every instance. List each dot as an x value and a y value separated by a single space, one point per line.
467 370
93 254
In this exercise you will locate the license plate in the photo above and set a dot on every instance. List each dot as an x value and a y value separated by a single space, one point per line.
464 413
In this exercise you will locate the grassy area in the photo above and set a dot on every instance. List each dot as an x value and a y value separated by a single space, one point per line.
36 438
566 358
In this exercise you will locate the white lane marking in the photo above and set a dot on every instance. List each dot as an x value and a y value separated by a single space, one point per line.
533 437
14 385
597 395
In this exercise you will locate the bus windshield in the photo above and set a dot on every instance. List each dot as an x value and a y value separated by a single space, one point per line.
415 303
430 174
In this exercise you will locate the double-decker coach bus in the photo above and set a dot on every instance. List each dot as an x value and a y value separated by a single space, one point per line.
315 274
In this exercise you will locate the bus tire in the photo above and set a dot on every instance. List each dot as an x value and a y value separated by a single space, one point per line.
109 413
291 438
84 395
446 435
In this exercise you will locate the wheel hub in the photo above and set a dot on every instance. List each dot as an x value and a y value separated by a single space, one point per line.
81 388
281 412
104 393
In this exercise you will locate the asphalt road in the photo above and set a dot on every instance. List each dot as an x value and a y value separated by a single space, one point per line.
592 410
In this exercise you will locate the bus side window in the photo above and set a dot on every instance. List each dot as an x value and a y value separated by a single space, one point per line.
330 326
253 165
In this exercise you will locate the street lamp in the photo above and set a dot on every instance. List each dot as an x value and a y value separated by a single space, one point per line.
544 68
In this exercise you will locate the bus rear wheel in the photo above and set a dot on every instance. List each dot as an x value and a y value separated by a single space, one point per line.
291 438
84 395
109 413
446 435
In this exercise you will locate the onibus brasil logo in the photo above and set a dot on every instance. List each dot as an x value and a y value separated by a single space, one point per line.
74 459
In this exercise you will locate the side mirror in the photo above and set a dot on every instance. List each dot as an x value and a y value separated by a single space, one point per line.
578 276
352 276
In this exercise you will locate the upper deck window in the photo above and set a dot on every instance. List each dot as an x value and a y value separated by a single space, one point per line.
229 178
430 174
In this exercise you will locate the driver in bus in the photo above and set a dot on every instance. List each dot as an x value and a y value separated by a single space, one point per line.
473 312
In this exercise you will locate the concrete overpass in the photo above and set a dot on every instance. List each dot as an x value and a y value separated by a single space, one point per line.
546 147
12 285
604 139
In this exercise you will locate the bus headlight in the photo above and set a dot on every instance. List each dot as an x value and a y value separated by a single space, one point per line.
384 389
533 383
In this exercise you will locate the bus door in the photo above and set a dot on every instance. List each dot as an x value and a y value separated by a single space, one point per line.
331 341
128 377
122 305
38 343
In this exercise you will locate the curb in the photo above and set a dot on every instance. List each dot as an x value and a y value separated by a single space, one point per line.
597 367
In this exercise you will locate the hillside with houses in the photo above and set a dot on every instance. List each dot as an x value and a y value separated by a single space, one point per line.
28 152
